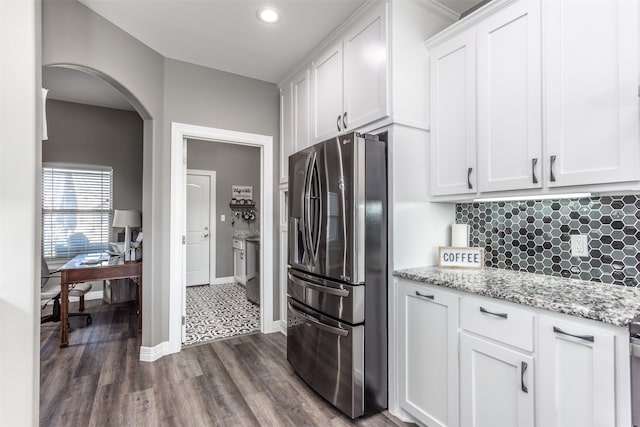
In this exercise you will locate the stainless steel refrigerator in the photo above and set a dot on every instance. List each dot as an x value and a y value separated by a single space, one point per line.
337 276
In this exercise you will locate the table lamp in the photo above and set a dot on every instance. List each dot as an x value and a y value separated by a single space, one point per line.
126 219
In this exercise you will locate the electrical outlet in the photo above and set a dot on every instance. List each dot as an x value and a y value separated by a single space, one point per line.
223 218
579 245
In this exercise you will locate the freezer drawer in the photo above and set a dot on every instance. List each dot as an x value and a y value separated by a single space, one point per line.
339 300
336 372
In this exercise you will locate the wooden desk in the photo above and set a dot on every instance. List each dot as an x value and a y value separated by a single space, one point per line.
77 271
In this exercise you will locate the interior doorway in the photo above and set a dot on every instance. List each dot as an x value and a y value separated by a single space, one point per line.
179 157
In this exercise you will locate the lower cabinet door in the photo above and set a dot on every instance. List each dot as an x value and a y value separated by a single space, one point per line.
496 385
577 375
428 354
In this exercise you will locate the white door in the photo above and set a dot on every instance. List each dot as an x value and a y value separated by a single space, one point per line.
428 354
198 229
591 91
577 375
327 94
496 385
365 69
452 68
509 99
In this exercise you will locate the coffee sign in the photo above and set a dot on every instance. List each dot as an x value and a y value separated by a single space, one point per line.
461 257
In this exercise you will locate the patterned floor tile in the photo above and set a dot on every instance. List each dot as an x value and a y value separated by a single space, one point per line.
219 311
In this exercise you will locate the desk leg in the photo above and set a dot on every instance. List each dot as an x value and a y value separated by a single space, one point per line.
138 282
64 310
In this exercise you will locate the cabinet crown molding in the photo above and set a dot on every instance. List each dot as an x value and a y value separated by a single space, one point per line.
468 21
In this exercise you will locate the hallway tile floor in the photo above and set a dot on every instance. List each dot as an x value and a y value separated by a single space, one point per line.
219 311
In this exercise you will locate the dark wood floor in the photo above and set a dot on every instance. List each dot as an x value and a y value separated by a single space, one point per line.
99 381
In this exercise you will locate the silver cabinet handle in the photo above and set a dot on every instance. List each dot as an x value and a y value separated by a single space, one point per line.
534 163
338 123
523 370
418 294
469 178
589 338
552 162
319 324
485 311
319 288
344 121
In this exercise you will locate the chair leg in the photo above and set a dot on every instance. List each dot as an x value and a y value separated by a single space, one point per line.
81 304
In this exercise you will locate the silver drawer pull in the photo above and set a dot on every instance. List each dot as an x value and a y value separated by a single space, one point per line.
589 338
418 294
319 288
317 323
485 311
523 370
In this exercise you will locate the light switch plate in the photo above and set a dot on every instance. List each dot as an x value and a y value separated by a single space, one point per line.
223 218
579 245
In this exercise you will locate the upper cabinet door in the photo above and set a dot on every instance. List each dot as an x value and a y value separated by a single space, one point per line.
287 146
366 69
591 88
327 94
453 120
301 110
509 99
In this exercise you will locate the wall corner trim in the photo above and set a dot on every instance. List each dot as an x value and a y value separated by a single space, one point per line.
151 354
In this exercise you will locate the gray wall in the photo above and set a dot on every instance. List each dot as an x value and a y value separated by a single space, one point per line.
234 165
91 135
163 91
73 35
206 97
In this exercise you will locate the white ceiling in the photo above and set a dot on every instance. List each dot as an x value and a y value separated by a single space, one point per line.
219 34
225 34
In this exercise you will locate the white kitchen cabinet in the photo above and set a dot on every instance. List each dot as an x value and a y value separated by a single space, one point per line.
591 90
452 68
349 79
577 374
428 353
509 99
496 385
300 87
286 130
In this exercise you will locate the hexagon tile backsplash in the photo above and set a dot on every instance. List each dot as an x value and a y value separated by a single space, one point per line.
535 236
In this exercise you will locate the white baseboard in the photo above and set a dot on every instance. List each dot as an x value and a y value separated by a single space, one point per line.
279 326
151 354
221 280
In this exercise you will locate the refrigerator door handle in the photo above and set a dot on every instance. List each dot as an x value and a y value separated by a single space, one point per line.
317 323
304 225
319 288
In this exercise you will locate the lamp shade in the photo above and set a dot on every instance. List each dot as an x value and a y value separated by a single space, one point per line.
126 218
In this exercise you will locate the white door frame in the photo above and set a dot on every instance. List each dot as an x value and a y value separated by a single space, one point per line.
177 272
212 219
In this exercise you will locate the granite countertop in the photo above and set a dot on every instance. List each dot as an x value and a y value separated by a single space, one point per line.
613 304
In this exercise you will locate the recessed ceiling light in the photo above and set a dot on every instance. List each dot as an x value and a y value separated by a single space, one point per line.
268 15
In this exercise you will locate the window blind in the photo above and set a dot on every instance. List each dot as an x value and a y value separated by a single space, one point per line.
77 204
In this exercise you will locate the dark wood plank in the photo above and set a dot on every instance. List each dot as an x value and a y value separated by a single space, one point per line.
243 381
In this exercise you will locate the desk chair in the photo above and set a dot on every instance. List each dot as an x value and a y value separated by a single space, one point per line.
49 291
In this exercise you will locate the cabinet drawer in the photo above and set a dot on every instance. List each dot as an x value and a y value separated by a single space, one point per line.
497 321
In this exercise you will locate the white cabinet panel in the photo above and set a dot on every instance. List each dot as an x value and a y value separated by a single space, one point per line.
577 375
453 116
365 69
591 89
509 99
327 94
496 385
301 110
428 354
286 131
